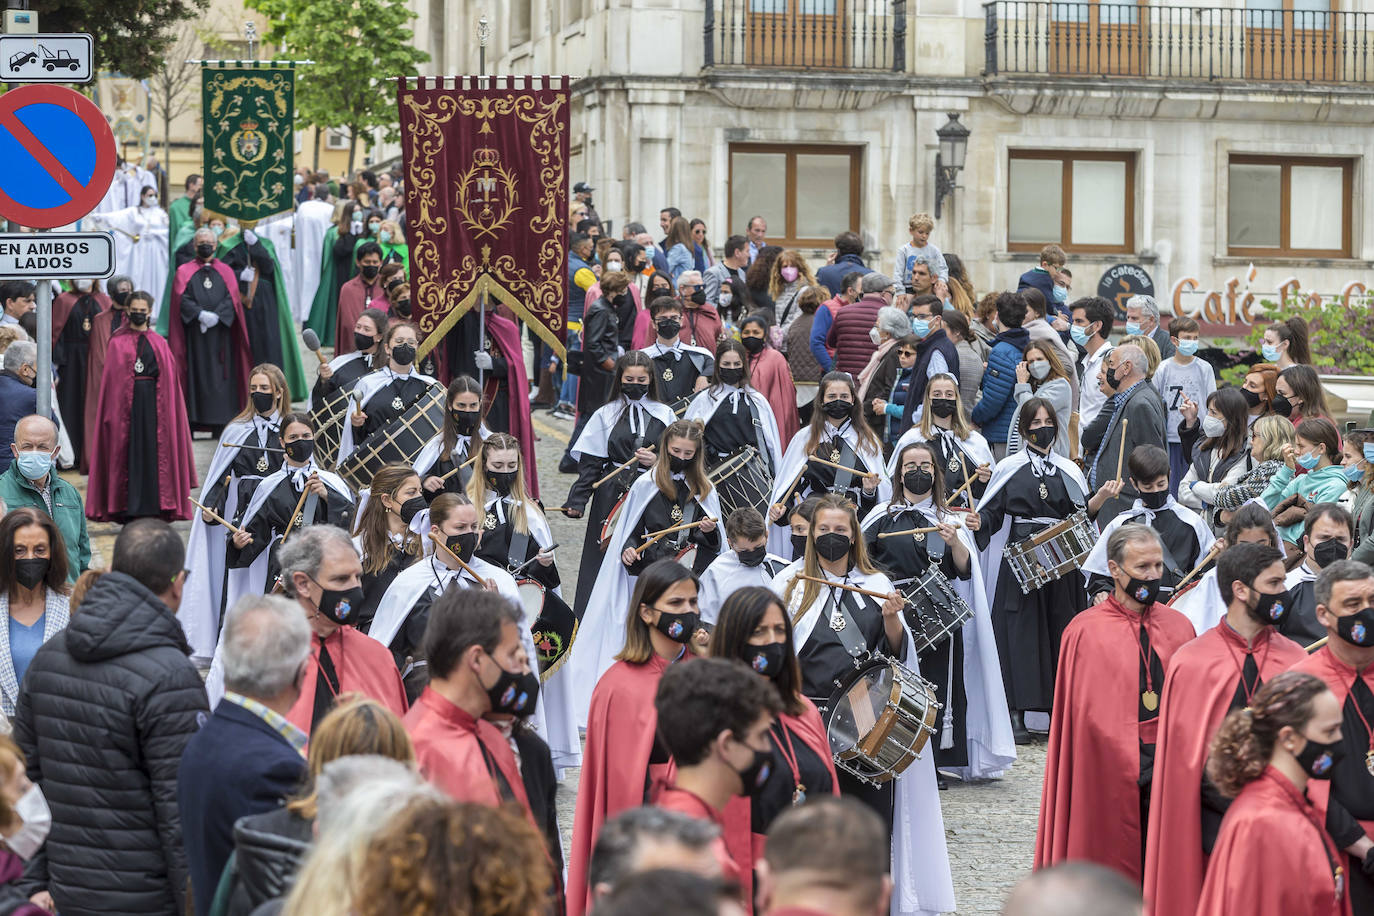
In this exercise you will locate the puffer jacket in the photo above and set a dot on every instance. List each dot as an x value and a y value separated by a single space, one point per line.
110 703
995 410
849 334
268 851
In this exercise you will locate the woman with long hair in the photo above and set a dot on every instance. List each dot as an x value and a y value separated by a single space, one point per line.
701 248
622 760
1029 490
1285 344
1221 458
758 279
383 535
963 456
385 394
827 622
960 287
445 463
1264 756
1298 395
33 593
1041 374
836 453
249 449
771 374
678 247
789 276
736 417
614 448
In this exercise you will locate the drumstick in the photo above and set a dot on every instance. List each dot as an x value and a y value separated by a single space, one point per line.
893 534
1121 452
849 588
683 527
795 480
968 482
466 568
214 515
631 460
1207 558
842 467
260 448
459 468
312 343
358 404
296 513
1316 645
639 551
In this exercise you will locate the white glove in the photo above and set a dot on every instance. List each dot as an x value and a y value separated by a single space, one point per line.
247 274
483 360
250 236
207 320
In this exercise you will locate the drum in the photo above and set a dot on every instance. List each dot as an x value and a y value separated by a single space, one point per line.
741 480
1052 552
608 526
327 420
400 440
879 719
531 599
934 610
554 627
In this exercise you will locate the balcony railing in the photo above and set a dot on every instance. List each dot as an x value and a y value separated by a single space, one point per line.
1053 38
807 34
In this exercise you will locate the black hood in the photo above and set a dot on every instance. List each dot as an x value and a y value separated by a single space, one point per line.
119 616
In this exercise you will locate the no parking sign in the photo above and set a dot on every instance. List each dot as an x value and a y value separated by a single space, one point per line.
59 156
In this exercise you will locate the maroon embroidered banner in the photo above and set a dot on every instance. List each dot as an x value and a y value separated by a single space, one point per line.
486 185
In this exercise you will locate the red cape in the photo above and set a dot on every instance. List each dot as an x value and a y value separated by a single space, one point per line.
1338 676
1198 689
1269 860
507 337
107 494
615 762
98 342
1090 807
353 301
684 802
62 308
772 377
176 330
448 748
363 665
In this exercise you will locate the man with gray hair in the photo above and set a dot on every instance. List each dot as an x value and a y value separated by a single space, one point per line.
1142 317
248 756
31 481
642 839
1133 415
1100 762
207 330
18 396
1074 889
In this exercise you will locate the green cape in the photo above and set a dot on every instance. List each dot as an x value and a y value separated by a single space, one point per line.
324 309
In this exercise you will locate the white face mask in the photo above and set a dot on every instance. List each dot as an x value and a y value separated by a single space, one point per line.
874 336
1039 368
82 286
33 808
1212 427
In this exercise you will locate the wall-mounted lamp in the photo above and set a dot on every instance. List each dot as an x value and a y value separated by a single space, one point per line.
949 161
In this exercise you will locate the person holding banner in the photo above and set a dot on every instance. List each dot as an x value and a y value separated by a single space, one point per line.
209 337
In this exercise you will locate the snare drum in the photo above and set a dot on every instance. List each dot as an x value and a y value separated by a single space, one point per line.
934 611
608 527
879 719
741 480
1052 552
531 599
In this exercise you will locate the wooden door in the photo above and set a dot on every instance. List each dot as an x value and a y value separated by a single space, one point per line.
1098 38
796 33
1290 40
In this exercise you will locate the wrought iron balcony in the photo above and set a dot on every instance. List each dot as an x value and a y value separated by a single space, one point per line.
807 34
1130 40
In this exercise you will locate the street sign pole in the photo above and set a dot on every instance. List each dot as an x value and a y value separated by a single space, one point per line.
43 379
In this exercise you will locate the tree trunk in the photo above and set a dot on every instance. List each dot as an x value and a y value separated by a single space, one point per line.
319 134
167 146
352 149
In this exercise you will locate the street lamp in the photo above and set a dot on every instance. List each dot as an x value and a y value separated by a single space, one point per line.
949 161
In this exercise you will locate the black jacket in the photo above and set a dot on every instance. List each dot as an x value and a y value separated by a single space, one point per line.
109 705
268 850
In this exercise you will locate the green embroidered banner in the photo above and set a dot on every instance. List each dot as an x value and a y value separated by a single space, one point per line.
247 111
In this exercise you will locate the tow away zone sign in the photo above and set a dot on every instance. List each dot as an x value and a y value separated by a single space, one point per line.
56 256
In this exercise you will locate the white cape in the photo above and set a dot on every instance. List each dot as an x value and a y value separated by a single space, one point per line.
795 458
975 446
1096 561
704 405
312 222
279 230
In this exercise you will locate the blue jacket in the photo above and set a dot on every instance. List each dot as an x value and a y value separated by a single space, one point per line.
679 261
820 329
994 411
832 275
236 765
17 401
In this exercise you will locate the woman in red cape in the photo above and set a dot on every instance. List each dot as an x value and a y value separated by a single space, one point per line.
620 765
770 374
1273 855
108 494
753 627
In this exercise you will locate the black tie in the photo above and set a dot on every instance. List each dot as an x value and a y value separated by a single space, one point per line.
326 687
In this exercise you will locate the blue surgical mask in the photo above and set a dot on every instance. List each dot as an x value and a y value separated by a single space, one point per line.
384 236
34 465
1133 327
1368 449
1061 294
920 327
1308 461
1187 347
1079 335
1354 473
1270 353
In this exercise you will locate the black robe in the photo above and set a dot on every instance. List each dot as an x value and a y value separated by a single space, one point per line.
677 376
273 517
260 316
144 499
343 379
248 467
662 512
211 368
376 584
71 356
456 457
952 459
1182 551
388 403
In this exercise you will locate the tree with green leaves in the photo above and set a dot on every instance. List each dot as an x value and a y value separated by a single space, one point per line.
132 37
359 47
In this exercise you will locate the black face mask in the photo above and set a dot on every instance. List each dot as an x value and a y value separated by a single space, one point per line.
1282 406
462 545
403 354
1154 501
1146 591
204 250
1357 629
918 481
465 421
501 481
403 308
838 409
121 298
300 450
752 557
669 327
833 546
138 319
262 401
634 390
1042 437
1252 398
1274 609
1113 380
370 271
731 376
943 407
678 627
753 344
1319 760
363 341
678 465
1329 551
767 660
514 694
798 546
699 297
31 571
412 507
341 605
756 774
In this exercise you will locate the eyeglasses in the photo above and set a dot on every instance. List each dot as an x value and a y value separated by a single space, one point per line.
906 352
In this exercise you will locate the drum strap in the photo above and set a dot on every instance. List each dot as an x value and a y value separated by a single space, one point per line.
519 546
845 479
849 634
689 515
759 438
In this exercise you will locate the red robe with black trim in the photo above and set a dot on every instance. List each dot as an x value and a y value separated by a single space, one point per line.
1200 684
1090 807
176 329
448 748
1273 856
362 664
1338 676
621 723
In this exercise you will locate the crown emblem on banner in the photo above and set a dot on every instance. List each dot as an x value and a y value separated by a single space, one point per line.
487 196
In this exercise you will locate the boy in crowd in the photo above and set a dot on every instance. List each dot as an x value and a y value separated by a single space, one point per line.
747 562
920 249
1180 380
1046 276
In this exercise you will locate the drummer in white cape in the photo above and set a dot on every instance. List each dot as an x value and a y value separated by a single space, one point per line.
614 448
674 494
961 452
384 395
443 464
836 630
930 554
343 372
681 369
297 495
1030 491
836 453
384 536
249 449
1200 601
746 563
1184 535
737 418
